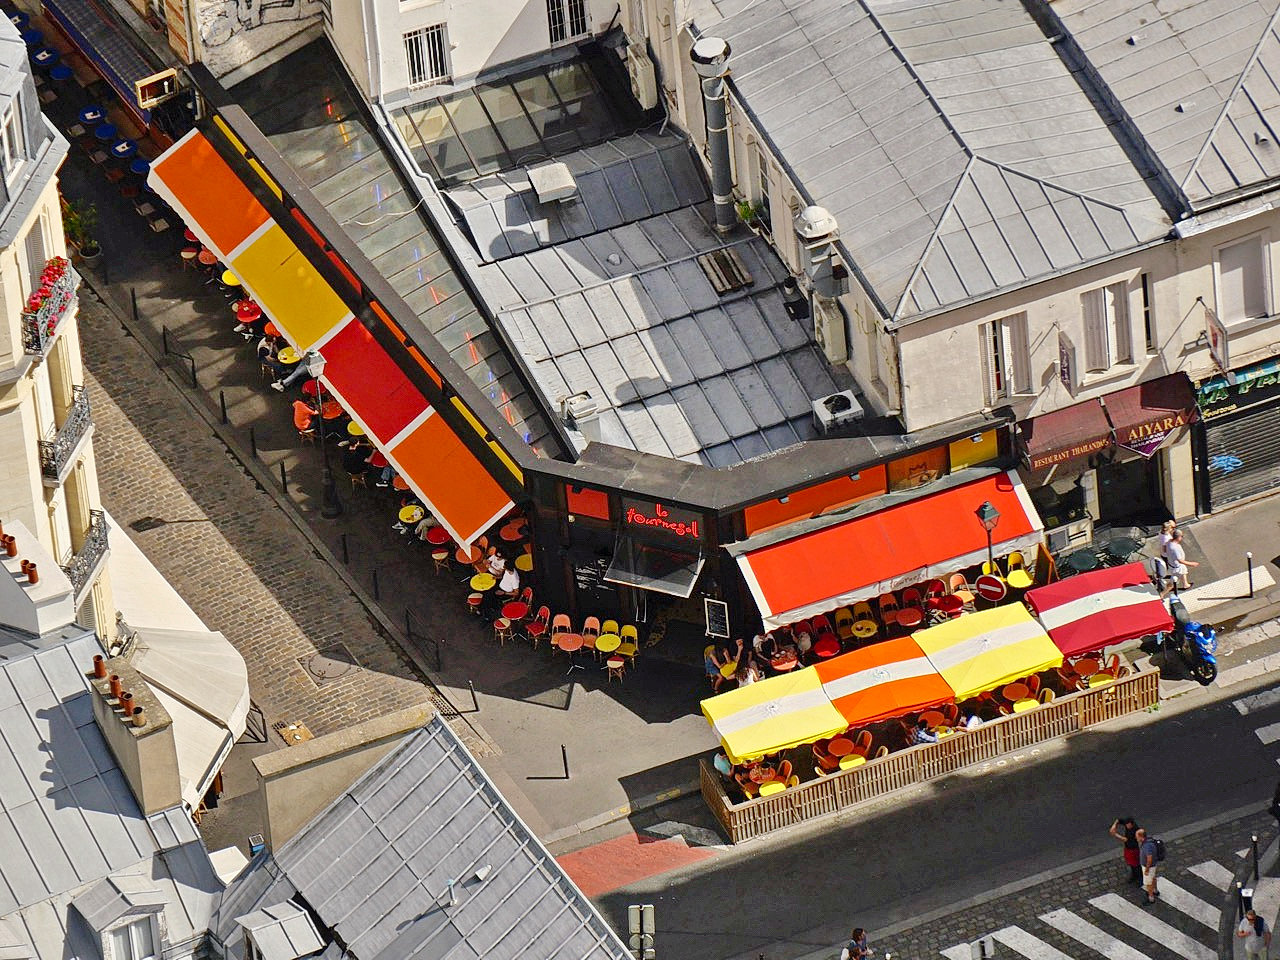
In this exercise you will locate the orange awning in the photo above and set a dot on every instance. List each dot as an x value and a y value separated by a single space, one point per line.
882 680
931 536
226 216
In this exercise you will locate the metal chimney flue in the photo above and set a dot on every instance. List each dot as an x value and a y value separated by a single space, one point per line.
710 57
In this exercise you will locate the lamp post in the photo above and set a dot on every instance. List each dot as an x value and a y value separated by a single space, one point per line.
989 516
330 505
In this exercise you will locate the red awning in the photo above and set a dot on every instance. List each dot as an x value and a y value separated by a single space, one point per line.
933 535
1095 610
1146 415
1065 434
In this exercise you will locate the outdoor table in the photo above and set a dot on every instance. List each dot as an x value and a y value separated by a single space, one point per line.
466 555
186 234
61 72
270 330
207 257
45 57
1086 667
570 643
1014 692
140 167
761 774
524 563
840 747
851 761
784 663
991 588
332 410
864 629
826 647
515 610
105 131
729 669
1025 704
934 718
483 582
123 149
354 429
1082 561
608 642
438 536
510 533
19 20
229 279
33 38
189 253
288 356
1122 548
398 483
910 617
411 514
1101 680
770 787
949 604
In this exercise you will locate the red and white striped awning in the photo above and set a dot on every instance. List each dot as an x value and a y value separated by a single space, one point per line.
1094 610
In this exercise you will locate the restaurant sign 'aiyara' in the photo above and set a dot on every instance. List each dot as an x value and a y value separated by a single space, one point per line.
659 519
1147 437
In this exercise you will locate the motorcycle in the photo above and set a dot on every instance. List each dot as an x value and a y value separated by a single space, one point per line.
1196 643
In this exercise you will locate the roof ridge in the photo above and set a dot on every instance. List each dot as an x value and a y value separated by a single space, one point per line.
934 236
1230 101
1054 184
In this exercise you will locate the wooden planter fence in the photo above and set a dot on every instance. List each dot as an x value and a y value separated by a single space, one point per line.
927 761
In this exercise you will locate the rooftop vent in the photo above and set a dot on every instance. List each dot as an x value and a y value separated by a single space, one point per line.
552 182
835 411
581 413
1260 138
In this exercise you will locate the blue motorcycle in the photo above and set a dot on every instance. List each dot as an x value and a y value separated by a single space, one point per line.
1196 643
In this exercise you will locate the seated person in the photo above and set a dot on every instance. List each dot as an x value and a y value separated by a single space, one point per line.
304 415
922 733
496 564
380 463
970 719
268 349
356 456
764 646
713 659
804 641
748 672
508 583
722 764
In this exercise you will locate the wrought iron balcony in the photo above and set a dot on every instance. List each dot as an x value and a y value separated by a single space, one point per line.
57 453
80 571
40 324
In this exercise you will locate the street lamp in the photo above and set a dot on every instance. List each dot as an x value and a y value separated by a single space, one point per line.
989 516
330 505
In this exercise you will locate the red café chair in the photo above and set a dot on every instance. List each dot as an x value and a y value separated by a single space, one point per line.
862 743
935 589
526 597
536 628
821 625
1033 684
888 608
911 597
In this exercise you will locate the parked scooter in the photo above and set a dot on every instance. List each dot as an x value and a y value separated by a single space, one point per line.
1195 642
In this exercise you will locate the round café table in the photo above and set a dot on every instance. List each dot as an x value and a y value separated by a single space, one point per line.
910 617
186 234
45 57
398 482
124 149
570 643
270 330
483 582
510 533
467 555
1086 667
608 642
229 279
1082 561
934 718
61 72
207 257
840 747
1101 680
990 588
1013 692
105 132
826 648
1025 704
851 761
524 563
951 605
438 536
249 312
332 410
865 629
784 664
411 514
309 388
140 167
515 610
354 429
288 356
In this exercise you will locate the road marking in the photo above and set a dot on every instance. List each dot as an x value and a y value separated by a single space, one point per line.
1033 948
1269 734
1243 853
1092 937
1259 701
1150 926
1190 904
961 951
1234 587
1214 873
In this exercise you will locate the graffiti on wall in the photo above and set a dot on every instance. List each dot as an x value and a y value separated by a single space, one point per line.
235 32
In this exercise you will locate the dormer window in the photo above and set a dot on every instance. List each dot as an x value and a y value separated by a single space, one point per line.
127 913
134 941
11 143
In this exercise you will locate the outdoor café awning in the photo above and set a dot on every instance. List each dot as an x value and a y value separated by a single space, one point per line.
771 715
984 650
882 680
1062 435
931 536
1094 610
230 221
1146 415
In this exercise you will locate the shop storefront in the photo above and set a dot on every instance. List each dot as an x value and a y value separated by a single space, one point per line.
1238 438
1107 460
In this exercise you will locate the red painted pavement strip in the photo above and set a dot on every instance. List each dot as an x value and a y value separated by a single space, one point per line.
615 863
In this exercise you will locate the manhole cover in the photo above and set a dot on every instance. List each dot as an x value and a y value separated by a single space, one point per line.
329 665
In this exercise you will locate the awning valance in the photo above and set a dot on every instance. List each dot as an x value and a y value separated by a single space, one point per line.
882 680
1074 431
1094 610
230 221
981 651
931 536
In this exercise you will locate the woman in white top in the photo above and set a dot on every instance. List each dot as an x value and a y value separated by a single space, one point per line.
1166 534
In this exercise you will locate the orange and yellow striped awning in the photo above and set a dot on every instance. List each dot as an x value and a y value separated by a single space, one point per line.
230 221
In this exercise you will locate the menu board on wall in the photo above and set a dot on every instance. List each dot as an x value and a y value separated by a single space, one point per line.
717 616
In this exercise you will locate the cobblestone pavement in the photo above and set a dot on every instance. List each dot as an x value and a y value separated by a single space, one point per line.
226 548
1093 910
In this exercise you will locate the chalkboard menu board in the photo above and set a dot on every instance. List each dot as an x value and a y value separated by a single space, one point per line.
588 577
717 616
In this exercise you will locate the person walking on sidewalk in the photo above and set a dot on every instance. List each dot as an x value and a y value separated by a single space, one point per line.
1255 934
1148 859
856 948
1176 555
1125 829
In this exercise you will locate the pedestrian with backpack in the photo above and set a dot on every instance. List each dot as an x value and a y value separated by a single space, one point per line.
856 948
1257 938
1150 856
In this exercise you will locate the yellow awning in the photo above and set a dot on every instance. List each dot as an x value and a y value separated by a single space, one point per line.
772 715
984 650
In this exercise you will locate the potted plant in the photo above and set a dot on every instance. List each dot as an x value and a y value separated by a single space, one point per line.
748 213
79 221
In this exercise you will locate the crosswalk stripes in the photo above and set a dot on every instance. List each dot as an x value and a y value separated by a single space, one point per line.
1258 701
1268 734
1135 932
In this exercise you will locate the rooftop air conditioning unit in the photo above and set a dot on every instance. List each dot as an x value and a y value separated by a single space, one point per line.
644 82
836 411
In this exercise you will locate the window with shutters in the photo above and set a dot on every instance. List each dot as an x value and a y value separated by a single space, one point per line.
426 52
1006 358
11 143
763 186
567 19
1108 328
1243 279
35 252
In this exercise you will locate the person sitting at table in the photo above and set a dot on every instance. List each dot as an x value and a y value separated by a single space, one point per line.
748 672
765 647
304 416
268 350
804 641
922 733
497 564
713 660
722 765
508 584
380 463
355 456
971 719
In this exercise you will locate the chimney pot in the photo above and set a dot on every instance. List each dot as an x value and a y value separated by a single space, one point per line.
10 545
25 564
99 666
33 576
126 703
139 718
116 688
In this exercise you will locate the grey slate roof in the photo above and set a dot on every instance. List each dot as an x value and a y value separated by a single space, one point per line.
1201 81
375 867
624 311
956 150
282 931
108 900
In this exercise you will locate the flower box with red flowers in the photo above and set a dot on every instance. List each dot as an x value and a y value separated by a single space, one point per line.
48 303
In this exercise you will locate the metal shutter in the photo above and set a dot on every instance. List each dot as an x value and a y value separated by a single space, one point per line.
1244 455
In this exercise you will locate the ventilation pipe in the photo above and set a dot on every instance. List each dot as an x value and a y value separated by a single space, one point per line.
709 56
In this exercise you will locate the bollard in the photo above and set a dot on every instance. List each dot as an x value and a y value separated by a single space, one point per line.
1239 899
475 704
284 481
376 595
1248 559
346 559
1254 845
253 443
222 402
133 295
164 338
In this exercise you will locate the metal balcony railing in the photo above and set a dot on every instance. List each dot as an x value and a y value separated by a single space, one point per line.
55 453
83 565
39 325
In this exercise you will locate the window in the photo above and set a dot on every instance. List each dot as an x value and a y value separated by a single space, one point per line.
11 147
1006 358
1243 280
567 19
36 255
1148 319
763 185
427 55
134 941
1107 335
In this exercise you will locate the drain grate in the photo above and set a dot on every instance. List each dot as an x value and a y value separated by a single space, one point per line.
329 665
